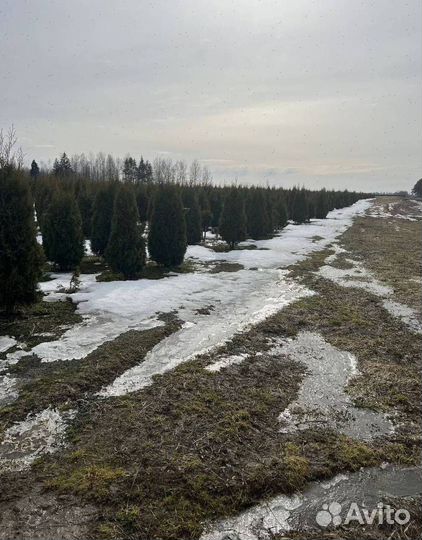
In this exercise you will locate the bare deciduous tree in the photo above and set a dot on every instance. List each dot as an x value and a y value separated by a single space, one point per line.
9 154
194 173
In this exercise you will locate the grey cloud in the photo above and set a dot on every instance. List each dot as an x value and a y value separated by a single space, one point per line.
328 90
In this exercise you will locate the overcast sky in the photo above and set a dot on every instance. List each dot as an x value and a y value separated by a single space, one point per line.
324 92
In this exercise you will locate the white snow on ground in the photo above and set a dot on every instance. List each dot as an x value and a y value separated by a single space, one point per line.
360 277
88 250
8 390
226 362
239 298
13 357
385 210
357 276
26 441
242 299
6 343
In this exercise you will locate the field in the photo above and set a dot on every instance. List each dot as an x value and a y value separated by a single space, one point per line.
221 401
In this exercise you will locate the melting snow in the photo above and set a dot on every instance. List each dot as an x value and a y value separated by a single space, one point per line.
6 343
239 298
322 399
360 277
8 390
385 210
226 362
26 441
243 295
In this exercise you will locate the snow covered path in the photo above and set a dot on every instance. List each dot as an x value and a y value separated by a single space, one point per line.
238 299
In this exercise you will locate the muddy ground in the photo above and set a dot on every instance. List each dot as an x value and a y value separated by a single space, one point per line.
200 445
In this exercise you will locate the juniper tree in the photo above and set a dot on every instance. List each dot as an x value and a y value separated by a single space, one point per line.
206 214
216 205
311 206
20 253
300 207
193 217
282 213
85 203
142 201
272 212
258 222
126 247
167 236
102 215
321 209
233 218
63 238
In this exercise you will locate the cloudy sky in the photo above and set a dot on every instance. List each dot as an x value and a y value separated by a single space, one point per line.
323 92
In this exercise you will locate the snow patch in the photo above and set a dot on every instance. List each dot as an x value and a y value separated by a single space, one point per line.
8 392
226 362
238 312
38 434
6 343
386 210
360 277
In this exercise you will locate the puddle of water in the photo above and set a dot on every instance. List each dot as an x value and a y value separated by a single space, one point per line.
282 514
322 400
38 434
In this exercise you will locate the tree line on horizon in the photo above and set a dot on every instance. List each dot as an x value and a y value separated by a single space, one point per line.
123 215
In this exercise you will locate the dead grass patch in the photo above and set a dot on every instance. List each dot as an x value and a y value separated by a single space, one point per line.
43 321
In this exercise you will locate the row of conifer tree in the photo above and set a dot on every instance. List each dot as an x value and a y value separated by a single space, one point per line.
122 218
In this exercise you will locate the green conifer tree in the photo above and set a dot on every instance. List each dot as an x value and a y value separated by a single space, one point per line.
417 189
321 209
101 219
300 207
63 166
85 204
35 170
167 236
233 218
282 213
126 247
258 221
206 214
142 201
20 254
193 217
63 238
